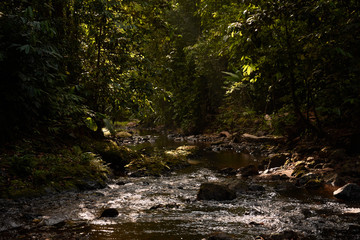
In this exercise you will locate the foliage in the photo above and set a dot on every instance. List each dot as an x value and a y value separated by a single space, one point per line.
33 173
71 64
290 52
34 92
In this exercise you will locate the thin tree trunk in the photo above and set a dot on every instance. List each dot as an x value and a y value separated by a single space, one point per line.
292 79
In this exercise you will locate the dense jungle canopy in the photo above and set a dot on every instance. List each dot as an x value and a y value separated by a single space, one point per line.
71 65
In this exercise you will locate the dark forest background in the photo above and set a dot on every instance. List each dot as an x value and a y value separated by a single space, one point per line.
71 66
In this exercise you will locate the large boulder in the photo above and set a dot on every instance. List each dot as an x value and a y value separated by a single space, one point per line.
349 192
215 191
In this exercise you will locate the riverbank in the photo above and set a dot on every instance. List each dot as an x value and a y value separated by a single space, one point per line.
29 171
259 203
33 168
308 163
312 164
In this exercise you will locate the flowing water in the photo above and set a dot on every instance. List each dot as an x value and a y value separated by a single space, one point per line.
166 208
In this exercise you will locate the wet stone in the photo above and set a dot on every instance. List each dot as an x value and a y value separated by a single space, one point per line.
110 212
162 206
256 188
276 160
350 192
121 183
214 191
250 170
304 179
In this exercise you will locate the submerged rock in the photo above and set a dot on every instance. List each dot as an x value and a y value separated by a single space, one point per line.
110 212
215 191
250 170
350 192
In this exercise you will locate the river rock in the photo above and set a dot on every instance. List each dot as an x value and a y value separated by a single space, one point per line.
350 192
110 212
299 170
51 221
276 160
123 135
250 170
121 183
307 178
256 188
215 191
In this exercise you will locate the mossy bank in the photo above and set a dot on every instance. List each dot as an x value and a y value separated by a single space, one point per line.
29 172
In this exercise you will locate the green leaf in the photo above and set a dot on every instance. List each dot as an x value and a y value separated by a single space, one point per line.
90 123
25 48
233 76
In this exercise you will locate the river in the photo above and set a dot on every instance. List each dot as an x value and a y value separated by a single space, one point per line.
166 208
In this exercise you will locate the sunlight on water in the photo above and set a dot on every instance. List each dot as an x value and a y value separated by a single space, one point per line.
166 208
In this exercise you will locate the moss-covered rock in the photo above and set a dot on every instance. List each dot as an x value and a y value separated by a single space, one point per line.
35 174
123 134
116 156
182 151
161 162
299 169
